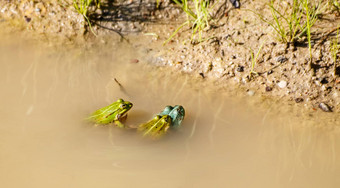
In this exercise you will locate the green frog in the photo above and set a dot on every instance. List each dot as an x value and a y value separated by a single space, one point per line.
176 113
158 126
115 112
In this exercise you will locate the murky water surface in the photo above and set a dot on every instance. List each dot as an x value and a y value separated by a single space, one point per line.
46 92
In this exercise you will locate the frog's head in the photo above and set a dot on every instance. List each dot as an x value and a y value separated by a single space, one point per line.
123 107
177 115
166 110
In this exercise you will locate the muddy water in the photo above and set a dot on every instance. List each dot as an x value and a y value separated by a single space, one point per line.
47 91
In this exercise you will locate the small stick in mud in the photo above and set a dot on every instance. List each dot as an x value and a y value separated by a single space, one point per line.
121 87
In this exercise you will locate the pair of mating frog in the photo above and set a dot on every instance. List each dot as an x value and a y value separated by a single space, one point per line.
169 117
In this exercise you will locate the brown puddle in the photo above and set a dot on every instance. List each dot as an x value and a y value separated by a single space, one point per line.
46 92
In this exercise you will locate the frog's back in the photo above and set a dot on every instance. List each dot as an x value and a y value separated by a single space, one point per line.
101 116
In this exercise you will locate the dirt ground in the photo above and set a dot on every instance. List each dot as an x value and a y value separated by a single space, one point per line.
284 72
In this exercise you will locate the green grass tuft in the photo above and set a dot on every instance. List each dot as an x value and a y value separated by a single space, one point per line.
335 5
294 22
308 27
335 50
82 7
198 18
254 60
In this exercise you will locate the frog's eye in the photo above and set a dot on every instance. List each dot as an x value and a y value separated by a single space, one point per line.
123 105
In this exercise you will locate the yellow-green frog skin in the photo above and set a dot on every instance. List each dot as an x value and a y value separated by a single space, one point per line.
112 113
156 127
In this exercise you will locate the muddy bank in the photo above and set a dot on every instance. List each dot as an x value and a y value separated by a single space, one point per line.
284 73
283 70
43 17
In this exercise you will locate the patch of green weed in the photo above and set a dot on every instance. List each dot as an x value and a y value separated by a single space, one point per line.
198 18
82 7
335 5
254 60
293 22
335 50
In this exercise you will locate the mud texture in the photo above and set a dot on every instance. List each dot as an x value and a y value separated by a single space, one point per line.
43 17
283 71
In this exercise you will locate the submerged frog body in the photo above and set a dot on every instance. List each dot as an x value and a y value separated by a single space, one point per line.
158 126
112 113
176 113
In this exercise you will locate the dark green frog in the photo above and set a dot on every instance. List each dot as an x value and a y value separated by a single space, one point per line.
158 126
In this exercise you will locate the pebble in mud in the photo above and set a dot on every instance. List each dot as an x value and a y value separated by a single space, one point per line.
27 19
240 69
323 81
325 107
269 72
299 100
281 59
282 84
268 88
251 93
236 3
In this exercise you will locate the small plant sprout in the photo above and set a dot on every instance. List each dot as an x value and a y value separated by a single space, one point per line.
158 3
198 18
82 7
254 60
308 25
335 50
335 5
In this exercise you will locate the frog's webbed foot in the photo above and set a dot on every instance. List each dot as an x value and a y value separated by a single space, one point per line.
119 124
